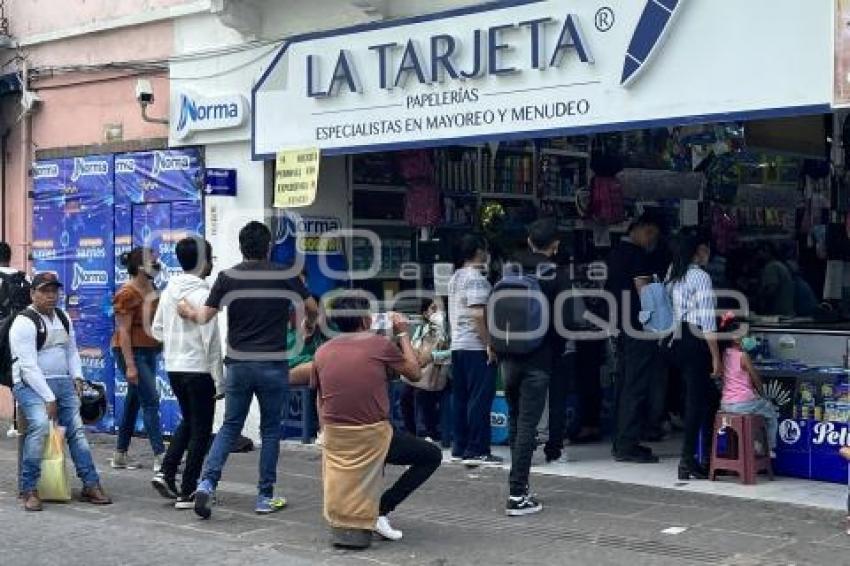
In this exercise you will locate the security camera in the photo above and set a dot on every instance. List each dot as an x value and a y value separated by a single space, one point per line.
144 92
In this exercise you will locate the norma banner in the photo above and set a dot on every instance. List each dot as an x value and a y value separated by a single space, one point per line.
73 236
87 211
296 178
305 236
531 68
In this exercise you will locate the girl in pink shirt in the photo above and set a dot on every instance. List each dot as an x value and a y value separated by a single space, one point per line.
742 385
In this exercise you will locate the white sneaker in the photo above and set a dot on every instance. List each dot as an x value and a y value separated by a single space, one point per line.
119 460
12 432
157 463
383 528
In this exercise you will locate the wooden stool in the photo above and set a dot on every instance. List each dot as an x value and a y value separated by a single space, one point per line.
743 457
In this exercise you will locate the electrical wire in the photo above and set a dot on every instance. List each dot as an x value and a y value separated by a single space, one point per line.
156 64
231 69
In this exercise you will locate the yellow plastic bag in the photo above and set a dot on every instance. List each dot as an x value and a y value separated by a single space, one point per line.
53 484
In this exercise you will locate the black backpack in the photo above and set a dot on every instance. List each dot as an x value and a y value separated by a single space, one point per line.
14 293
515 312
6 360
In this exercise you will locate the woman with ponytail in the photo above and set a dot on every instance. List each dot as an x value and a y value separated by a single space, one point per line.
136 351
694 349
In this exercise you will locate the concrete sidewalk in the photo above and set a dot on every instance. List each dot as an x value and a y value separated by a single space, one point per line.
457 518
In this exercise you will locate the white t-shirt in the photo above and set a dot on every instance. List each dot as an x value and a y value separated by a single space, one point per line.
467 289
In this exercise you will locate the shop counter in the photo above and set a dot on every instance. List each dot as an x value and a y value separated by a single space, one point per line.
814 406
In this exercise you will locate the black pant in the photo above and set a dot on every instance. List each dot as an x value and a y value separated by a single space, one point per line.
423 459
195 394
640 365
589 358
692 358
420 411
526 387
559 385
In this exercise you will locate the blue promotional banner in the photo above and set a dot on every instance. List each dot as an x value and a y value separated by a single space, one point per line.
87 211
73 236
159 176
298 235
157 203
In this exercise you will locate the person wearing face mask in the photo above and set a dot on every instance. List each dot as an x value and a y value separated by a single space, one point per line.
420 400
136 351
694 350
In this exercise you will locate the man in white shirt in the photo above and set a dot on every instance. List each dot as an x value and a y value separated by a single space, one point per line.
47 377
192 354
473 361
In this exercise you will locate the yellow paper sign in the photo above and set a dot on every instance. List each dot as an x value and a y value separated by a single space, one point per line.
296 178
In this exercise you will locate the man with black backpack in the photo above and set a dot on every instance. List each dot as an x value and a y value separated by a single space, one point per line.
14 287
523 334
39 353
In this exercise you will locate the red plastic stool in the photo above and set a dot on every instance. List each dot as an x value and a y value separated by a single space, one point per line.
743 456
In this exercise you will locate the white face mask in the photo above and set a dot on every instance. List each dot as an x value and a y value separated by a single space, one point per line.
438 318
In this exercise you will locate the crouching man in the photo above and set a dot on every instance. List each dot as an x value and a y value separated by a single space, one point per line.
47 377
350 374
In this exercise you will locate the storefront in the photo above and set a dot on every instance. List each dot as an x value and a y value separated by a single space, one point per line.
507 105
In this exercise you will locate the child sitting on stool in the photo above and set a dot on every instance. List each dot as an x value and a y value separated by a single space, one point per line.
742 385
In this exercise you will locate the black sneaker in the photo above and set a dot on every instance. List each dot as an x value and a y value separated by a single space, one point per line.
165 486
184 502
486 461
637 457
522 505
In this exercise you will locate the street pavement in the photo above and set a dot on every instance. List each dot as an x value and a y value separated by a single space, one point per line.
457 518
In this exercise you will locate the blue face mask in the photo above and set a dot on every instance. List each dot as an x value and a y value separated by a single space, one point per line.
748 343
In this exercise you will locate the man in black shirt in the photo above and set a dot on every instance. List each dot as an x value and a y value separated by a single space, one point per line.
258 295
527 377
638 359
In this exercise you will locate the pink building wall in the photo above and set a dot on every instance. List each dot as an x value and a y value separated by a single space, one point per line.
77 107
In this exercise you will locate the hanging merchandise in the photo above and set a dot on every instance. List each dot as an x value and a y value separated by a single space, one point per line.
607 203
422 206
724 229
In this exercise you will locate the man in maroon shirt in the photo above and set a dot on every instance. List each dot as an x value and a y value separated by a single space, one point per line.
350 374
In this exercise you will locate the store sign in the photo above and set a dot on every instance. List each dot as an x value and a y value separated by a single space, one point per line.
529 68
220 182
196 113
296 178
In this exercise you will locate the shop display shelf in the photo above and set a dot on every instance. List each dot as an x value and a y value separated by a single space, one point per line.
381 222
508 196
461 195
364 188
565 153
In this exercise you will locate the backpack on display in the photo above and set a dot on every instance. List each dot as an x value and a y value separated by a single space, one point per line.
14 293
515 310
6 360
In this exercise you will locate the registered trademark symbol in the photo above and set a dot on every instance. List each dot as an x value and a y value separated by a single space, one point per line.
605 19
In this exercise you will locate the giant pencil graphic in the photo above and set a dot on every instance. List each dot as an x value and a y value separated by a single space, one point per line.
651 28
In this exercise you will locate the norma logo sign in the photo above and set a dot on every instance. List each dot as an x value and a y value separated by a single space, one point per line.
198 113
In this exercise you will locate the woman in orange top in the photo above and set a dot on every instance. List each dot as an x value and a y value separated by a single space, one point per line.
136 351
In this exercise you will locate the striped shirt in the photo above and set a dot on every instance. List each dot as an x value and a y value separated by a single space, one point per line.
693 299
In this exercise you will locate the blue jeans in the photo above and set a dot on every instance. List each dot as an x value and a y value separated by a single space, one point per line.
758 406
38 426
268 381
144 394
473 392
